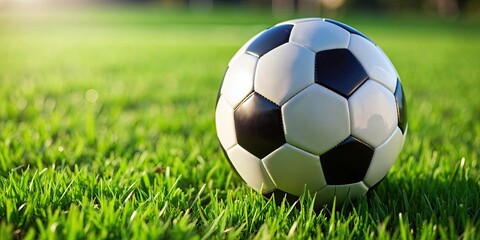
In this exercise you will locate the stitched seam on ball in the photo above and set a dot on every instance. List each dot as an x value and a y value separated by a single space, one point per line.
252 54
338 144
302 46
349 40
267 99
380 83
366 79
268 173
243 100
324 186
234 125
389 137
281 115
299 91
230 148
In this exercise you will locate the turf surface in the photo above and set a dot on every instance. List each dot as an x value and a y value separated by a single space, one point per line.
107 131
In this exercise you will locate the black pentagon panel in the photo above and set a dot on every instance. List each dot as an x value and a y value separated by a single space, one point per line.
346 163
339 70
348 28
401 106
270 39
258 125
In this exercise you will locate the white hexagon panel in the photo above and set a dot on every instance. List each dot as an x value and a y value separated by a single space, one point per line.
316 119
284 71
250 169
373 113
378 67
383 158
293 170
342 193
225 124
319 35
238 80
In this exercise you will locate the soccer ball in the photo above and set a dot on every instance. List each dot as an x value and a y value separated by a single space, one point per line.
311 105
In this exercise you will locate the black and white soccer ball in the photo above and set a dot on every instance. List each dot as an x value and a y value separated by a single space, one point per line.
311 104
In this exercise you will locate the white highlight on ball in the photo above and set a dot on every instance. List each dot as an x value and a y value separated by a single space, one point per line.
284 71
225 124
373 113
238 81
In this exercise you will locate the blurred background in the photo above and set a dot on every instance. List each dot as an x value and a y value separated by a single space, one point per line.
437 7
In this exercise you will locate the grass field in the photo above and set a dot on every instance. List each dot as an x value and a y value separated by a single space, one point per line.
107 131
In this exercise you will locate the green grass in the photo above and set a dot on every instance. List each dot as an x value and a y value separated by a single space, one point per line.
107 131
